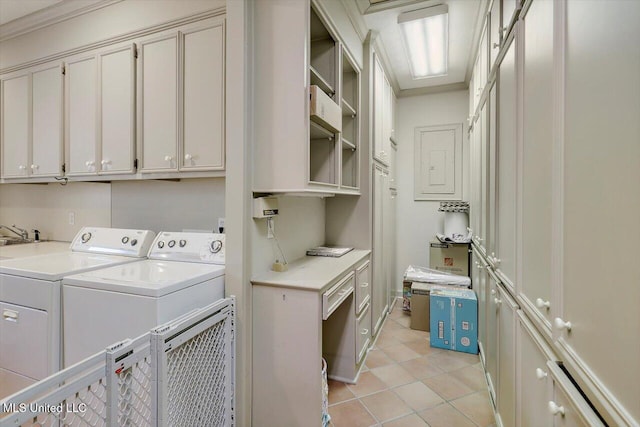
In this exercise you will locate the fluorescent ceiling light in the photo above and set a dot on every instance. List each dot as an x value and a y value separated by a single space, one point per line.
426 38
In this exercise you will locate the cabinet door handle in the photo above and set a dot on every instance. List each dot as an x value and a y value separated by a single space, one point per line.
495 45
554 409
34 167
364 285
493 291
105 162
561 324
540 303
343 292
364 332
10 315
188 157
22 167
540 374
497 301
495 260
168 158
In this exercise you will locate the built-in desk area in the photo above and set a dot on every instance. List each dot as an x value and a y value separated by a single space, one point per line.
318 308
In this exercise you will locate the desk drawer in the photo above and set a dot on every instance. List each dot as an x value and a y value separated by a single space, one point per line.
363 333
332 299
363 287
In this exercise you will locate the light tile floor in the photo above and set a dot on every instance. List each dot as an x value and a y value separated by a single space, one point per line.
406 383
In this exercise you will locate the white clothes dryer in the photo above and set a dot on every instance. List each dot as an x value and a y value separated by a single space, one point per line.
30 341
184 271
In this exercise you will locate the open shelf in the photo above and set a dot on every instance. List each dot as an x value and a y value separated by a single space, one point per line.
317 132
348 145
318 80
347 109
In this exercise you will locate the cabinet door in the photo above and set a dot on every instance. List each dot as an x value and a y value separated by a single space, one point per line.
81 87
378 296
537 154
203 115
23 347
479 283
534 385
16 103
47 122
158 93
483 139
506 387
505 169
494 32
602 199
378 111
117 110
491 356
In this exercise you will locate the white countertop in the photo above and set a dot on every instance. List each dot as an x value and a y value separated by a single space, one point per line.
30 249
313 273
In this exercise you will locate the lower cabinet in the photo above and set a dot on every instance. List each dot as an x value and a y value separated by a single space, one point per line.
319 308
506 387
546 394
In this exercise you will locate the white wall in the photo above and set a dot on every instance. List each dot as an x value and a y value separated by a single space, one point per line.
46 207
418 221
299 226
168 205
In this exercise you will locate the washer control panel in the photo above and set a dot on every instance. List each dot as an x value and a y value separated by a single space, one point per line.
113 241
189 247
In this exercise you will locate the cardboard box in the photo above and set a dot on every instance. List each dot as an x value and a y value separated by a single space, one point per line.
323 110
420 306
454 319
449 257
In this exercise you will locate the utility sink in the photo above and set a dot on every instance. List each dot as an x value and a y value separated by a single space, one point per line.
8 240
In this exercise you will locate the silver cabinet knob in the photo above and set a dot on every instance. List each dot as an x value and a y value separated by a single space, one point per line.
497 301
35 167
168 158
188 157
22 167
540 374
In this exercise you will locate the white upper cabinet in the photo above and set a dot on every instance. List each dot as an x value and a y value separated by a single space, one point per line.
81 129
181 99
16 102
32 123
101 112
306 102
535 190
117 110
158 86
494 32
203 114
382 96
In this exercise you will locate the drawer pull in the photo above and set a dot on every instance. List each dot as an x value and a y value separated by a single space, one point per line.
498 301
540 303
364 285
364 332
540 374
554 409
10 315
561 324
343 292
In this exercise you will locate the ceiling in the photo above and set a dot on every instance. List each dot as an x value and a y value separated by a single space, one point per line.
381 16
14 9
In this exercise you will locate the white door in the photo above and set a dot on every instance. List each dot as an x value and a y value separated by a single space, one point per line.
158 92
81 81
47 145
378 111
16 103
379 289
117 110
24 343
203 115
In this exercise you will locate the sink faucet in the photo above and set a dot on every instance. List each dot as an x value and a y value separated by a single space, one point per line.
24 234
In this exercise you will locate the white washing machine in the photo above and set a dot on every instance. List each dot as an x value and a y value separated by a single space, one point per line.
101 307
30 300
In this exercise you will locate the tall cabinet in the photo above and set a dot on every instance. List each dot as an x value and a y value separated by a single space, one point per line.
547 126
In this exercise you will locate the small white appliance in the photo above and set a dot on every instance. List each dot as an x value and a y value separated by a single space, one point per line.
30 300
184 271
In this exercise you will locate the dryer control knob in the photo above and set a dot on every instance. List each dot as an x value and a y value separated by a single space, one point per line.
134 242
125 240
85 237
215 247
161 244
171 243
182 243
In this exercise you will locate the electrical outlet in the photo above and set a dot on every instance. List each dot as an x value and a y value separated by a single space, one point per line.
72 218
220 225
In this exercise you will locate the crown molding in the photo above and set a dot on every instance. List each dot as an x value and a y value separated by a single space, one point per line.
51 15
430 90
